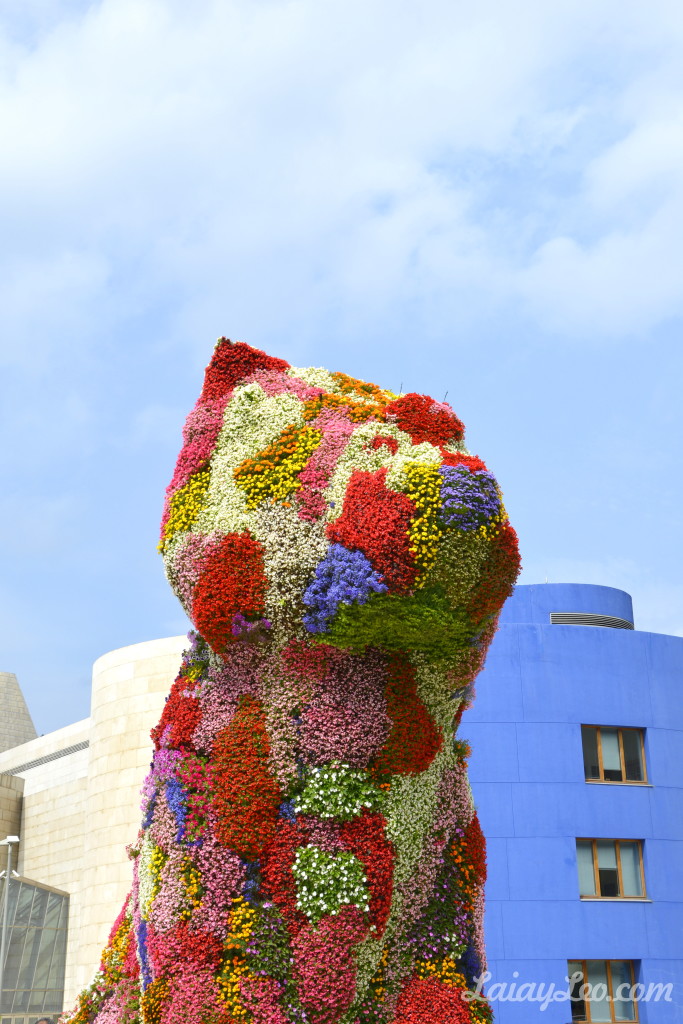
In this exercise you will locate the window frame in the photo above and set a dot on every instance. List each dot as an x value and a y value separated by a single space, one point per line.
608 972
596 874
622 761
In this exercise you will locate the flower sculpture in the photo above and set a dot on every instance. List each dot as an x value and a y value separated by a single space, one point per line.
309 849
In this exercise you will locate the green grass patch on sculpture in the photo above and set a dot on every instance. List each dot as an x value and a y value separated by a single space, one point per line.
425 622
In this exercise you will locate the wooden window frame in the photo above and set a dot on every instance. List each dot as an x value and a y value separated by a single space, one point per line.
622 760
596 873
610 987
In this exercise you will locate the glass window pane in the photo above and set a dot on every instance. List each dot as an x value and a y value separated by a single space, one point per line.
58 966
39 907
575 982
13 957
30 957
624 1008
607 867
12 901
599 992
54 1000
584 859
36 1000
54 905
590 752
611 758
630 869
633 755
21 1000
47 944
24 903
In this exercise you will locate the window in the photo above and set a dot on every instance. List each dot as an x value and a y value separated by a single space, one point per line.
613 755
33 979
602 991
610 868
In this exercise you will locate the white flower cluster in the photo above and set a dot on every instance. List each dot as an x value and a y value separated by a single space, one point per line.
325 882
338 791
252 420
292 548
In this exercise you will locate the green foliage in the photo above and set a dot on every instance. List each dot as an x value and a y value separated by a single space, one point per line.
424 622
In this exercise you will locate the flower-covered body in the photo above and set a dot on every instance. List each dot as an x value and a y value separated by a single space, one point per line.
309 850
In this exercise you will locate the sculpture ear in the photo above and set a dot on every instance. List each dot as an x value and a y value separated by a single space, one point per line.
232 361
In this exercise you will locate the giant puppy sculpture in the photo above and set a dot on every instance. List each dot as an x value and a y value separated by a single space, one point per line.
309 850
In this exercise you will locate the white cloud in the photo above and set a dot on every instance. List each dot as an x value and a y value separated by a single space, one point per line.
248 161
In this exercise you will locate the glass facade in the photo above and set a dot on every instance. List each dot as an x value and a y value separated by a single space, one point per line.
33 979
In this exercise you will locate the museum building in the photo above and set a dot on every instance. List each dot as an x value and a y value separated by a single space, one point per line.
576 767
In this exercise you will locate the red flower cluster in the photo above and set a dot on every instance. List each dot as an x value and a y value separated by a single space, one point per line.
376 521
196 776
365 838
180 716
387 442
474 849
276 870
232 580
428 1001
305 661
131 964
425 420
414 739
325 966
473 462
247 796
499 572
183 945
231 363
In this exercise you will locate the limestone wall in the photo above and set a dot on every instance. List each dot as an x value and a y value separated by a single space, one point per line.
129 689
16 724
81 808
11 793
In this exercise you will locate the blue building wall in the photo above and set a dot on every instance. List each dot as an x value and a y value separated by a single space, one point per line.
540 684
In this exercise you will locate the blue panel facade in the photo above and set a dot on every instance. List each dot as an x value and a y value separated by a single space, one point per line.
540 684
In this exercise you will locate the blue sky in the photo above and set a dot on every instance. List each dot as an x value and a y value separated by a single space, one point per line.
479 198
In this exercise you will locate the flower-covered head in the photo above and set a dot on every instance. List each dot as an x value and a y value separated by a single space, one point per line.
310 504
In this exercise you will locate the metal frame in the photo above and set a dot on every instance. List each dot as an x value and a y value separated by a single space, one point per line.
620 730
596 874
608 971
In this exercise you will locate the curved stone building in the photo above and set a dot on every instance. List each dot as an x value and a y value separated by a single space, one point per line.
72 798
577 770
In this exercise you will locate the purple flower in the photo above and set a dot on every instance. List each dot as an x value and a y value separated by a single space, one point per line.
342 577
468 499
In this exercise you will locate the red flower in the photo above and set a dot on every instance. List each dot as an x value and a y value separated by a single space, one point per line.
474 849
425 420
428 1001
181 948
387 442
375 520
231 363
247 796
324 964
277 859
232 580
180 715
414 739
365 838
472 462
